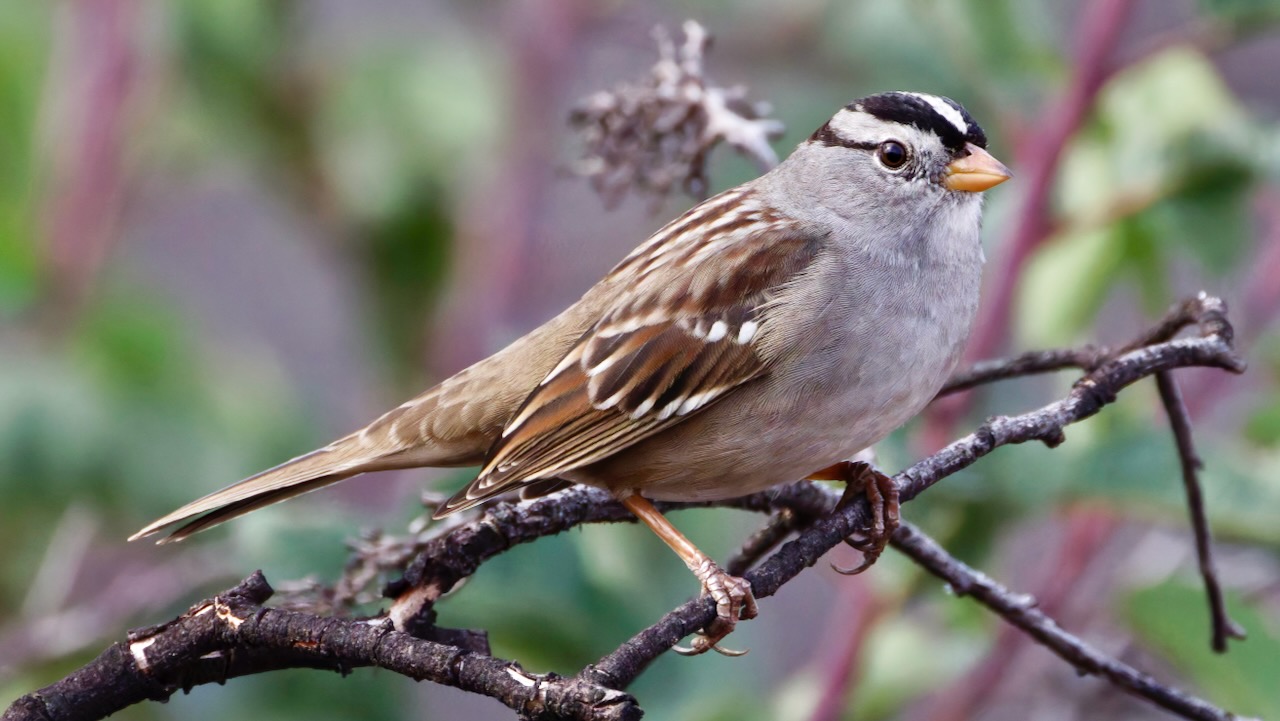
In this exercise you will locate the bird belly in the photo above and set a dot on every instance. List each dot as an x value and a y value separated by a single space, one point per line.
876 357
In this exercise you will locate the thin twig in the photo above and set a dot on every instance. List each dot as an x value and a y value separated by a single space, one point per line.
1186 313
1046 424
1260 297
235 635
1031 363
1086 531
759 544
1181 316
1021 611
1223 627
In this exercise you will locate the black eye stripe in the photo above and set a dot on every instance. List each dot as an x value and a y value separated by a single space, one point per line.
826 135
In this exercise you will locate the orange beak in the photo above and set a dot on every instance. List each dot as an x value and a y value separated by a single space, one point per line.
975 172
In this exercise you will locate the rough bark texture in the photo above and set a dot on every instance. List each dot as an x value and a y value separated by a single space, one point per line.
235 634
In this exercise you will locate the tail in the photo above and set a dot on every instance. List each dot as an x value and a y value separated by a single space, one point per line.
303 474
453 424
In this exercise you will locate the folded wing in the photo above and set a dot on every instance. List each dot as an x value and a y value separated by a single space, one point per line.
685 333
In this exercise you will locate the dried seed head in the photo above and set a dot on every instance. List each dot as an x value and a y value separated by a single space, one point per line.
655 133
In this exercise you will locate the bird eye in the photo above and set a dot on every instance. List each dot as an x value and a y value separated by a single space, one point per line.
892 154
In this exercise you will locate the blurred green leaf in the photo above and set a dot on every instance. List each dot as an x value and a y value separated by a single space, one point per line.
397 125
1259 12
291 695
24 39
248 85
408 257
138 347
1165 164
1146 260
1065 285
1263 425
905 660
1208 209
1173 619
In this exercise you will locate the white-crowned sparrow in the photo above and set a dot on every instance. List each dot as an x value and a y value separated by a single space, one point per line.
772 331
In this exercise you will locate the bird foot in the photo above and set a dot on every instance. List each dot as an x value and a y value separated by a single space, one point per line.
734 601
882 495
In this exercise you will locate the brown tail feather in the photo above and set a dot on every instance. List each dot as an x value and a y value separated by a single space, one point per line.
291 478
239 508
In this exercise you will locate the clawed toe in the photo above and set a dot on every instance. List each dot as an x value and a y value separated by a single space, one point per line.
701 645
882 495
734 599
734 602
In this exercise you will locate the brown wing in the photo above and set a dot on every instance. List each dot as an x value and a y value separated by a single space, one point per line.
684 331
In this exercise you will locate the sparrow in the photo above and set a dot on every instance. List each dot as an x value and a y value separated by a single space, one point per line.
766 335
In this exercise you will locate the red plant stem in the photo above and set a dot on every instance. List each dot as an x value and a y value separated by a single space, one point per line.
1086 532
855 614
91 87
1260 304
498 227
1039 155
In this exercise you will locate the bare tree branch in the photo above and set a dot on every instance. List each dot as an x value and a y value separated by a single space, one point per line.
1179 317
1223 627
1030 363
1084 531
1021 611
781 524
234 634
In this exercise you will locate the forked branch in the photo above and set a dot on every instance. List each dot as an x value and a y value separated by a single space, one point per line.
234 634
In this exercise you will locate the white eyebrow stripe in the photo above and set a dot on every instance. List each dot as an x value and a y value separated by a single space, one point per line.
851 125
945 109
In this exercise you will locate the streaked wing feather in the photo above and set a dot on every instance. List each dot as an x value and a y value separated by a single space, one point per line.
680 336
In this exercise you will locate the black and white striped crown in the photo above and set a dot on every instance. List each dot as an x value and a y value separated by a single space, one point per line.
935 114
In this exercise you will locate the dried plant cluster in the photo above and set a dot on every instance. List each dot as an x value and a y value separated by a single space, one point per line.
654 134
375 557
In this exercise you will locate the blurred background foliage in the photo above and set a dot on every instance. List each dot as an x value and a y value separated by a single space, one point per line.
230 230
